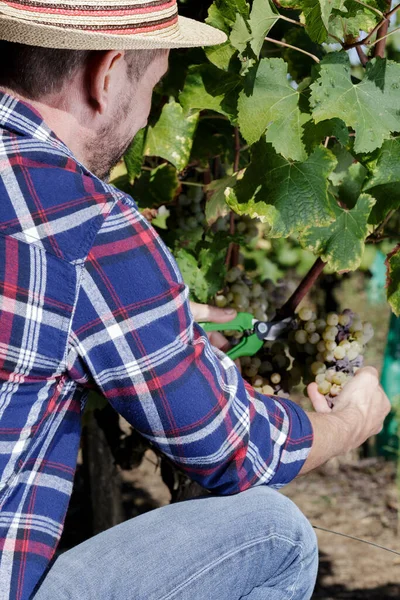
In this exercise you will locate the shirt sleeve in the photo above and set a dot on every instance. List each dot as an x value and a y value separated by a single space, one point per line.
134 338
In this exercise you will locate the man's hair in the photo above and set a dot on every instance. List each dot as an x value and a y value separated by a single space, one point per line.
35 72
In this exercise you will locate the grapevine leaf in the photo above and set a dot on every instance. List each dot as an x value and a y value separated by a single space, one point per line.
172 135
240 35
269 102
352 184
362 20
393 279
221 55
192 274
222 14
210 88
216 204
316 133
341 244
371 108
287 195
263 17
134 155
315 26
203 269
384 178
156 187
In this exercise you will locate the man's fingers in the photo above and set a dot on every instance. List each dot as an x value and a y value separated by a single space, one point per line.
205 312
368 370
219 341
318 400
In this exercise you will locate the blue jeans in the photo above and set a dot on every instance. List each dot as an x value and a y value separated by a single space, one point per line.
255 545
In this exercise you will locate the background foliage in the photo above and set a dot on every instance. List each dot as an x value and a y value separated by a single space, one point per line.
293 122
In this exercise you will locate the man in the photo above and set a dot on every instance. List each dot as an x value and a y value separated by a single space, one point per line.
91 298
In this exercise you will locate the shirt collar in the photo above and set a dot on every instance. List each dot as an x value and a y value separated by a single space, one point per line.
23 119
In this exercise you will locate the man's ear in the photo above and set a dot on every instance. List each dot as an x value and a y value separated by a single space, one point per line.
104 70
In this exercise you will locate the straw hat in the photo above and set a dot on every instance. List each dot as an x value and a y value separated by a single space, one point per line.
102 25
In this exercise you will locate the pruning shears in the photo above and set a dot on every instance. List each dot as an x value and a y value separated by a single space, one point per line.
255 332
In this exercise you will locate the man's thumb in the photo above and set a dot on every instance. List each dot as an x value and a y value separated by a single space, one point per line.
318 400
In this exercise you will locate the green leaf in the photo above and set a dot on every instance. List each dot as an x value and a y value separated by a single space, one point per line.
210 88
155 187
134 155
222 13
221 55
383 181
263 17
316 133
270 103
371 108
172 135
216 204
203 269
393 279
341 244
315 25
240 34
287 195
192 274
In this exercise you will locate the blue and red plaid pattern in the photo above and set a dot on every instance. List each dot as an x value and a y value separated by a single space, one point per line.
91 298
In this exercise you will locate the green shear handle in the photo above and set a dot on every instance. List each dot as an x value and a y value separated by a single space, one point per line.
249 344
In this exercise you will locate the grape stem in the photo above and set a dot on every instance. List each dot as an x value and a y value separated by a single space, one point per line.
289 308
232 255
381 35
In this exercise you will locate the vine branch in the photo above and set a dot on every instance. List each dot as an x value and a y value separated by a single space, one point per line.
289 308
232 255
280 43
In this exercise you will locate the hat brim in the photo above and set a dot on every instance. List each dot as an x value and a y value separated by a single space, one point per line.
188 34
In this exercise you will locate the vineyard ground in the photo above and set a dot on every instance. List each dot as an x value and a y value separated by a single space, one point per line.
357 498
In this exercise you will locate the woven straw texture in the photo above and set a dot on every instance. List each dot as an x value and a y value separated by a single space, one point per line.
102 25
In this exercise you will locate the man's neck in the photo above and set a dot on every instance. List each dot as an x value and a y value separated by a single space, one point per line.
57 115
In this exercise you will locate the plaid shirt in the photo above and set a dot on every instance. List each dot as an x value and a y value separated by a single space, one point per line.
91 298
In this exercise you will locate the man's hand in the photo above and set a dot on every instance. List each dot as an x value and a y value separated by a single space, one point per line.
205 312
362 405
359 412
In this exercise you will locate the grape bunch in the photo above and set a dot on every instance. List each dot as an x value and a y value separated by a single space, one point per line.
269 372
189 210
331 349
244 294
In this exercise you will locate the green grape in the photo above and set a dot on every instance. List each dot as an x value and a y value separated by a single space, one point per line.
344 344
356 326
352 354
275 378
305 313
314 338
320 378
258 381
332 319
320 325
330 333
321 347
329 375
339 352
250 371
330 345
310 348
256 362
266 367
300 336
339 378
329 356
335 390
324 387
318 367
310 327
233 274
267 390
221 301
344 319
